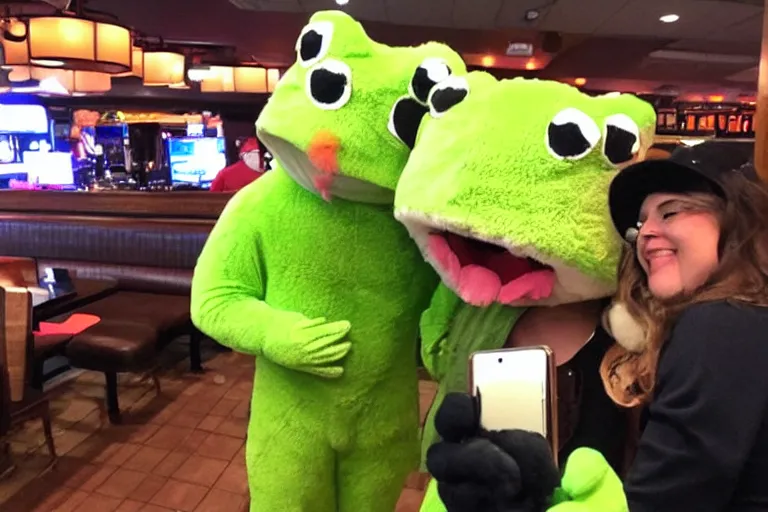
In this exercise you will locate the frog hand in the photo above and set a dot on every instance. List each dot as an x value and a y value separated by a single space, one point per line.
589 484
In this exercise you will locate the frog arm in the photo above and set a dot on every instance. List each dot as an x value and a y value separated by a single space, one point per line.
589 484
435 324
228 286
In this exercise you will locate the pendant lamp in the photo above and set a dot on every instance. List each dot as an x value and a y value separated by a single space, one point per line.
73 43
163 68
138 64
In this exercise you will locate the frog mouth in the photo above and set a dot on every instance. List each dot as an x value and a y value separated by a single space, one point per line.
323 176
482 271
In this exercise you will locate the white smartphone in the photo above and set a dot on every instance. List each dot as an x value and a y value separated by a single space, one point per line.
517 390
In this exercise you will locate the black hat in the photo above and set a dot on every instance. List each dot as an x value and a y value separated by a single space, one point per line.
698 168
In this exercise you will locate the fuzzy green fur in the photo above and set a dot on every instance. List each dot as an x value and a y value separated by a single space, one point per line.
483 170
589 485
326 295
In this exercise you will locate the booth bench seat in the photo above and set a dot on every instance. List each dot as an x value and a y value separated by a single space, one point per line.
134 327
151 259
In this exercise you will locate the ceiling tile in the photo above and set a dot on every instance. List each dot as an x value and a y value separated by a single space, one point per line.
750 29
479 14
723 47
698 18
420 12
369 10
269 5
512 13
580 16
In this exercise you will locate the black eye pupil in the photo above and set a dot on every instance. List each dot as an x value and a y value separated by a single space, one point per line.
619 144
444 99
421 83
326 86
311 44
567 140
406 118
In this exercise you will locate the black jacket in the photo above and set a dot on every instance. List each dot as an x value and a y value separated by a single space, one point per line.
704 447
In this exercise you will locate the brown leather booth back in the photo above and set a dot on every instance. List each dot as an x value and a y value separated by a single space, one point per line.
143 254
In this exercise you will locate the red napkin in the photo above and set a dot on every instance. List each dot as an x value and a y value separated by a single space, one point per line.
73 325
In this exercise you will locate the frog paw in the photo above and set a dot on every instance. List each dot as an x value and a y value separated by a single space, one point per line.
589 484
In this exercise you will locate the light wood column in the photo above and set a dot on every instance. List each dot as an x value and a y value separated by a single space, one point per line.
761 116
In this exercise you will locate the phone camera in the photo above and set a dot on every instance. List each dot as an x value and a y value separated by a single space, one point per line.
501 360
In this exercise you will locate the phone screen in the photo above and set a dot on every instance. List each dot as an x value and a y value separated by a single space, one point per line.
512 386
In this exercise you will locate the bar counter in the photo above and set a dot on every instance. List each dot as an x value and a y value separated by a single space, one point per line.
172 205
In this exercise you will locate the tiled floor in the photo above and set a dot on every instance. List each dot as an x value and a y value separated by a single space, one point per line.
182 450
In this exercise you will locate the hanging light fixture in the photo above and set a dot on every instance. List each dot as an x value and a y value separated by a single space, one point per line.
222 79
252 79
138 64
163 68
76 82
241 79
77 43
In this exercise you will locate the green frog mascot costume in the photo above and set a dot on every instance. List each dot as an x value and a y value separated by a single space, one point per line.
506 195
308 270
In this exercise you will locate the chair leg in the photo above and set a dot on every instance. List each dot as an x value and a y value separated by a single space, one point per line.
37 374
46 416
113 406
195 358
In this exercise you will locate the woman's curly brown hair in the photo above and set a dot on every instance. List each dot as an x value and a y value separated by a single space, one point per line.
741 276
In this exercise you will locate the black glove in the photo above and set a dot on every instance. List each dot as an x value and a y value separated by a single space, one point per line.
481 471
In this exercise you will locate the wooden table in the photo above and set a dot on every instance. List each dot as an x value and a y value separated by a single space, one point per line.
86 292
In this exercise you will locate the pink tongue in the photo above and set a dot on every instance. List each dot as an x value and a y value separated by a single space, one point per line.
445 257
478 285
534 285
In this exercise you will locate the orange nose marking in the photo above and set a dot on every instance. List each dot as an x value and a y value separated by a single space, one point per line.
323 153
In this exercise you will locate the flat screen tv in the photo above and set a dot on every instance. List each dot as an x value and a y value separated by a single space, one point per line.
196 160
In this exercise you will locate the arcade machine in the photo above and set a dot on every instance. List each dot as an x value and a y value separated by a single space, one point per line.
194 162
27 159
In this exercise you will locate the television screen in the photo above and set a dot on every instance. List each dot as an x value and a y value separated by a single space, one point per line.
49 168
23 119
196 159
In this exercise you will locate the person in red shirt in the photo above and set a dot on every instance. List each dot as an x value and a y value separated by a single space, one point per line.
249 168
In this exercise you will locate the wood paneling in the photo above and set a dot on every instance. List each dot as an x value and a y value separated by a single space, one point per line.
184 205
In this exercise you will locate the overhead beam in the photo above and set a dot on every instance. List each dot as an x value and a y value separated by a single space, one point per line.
761 116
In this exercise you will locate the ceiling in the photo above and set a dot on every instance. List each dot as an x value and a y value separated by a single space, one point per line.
616 44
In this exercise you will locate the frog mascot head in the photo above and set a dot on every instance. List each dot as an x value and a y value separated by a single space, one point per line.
506 194
308 270
344 117
506 190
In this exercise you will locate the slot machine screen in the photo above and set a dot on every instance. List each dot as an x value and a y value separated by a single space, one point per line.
196 159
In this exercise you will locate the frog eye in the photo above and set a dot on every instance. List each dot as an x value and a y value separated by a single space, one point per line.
622 139
329 84
447 94
429 73
313 42
404 120
571 134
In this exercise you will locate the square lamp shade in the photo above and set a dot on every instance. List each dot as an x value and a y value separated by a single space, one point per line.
74 44
241 79
75 82
138 64
163 69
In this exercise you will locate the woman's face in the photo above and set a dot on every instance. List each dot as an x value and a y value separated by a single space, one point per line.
677 243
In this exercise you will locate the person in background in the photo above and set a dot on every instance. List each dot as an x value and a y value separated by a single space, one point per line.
694 284
247 169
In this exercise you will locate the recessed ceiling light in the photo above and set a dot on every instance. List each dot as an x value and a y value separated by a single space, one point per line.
342 2
669 18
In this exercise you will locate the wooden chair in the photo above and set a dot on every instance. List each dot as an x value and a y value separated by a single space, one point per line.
20 402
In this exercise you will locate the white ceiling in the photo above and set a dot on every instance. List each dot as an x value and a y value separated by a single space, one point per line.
708 20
